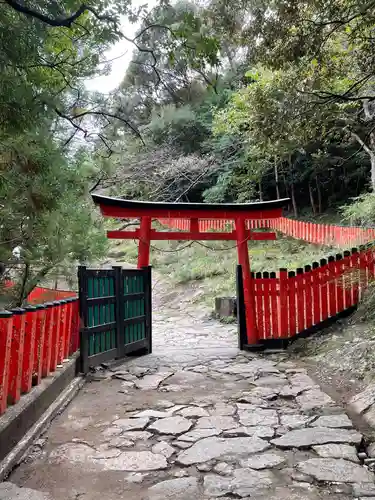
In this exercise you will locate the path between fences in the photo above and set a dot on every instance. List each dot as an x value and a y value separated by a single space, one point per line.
197 419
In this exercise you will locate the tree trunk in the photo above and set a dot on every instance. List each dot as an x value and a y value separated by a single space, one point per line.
286 189
293 196
370 151
312 202
294 203
260 191
319 195
25 279
276 179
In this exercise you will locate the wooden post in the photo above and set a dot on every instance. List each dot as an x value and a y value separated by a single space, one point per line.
144 242
28 352
283 310
243 260
292 290
56 332
148 305
273 293
6 326
241 317
308 299
39 343
315 278
16 355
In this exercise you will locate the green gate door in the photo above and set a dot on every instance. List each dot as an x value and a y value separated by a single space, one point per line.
115 311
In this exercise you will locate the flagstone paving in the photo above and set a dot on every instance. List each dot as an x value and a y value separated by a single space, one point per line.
195 421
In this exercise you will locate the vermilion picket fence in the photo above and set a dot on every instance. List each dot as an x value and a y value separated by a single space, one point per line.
34 342
289 303
320 234
292 302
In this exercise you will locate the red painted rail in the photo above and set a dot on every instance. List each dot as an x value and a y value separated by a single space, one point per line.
34 342
320 234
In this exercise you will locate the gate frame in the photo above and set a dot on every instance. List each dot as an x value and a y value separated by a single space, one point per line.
193 216
121 350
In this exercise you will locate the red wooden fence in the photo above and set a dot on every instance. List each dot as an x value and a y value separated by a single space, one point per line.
320 234
34 342
292 302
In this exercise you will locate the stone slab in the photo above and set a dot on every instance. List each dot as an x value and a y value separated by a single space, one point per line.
214 447
335 470
163 448
258 417
217 422
184 488
10 491
362 401
314 399
304 438
171 425
134 461
333 450
131 424
263 461
197 434
151 382
338 421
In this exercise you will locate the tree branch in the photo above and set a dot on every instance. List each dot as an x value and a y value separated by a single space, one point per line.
361 142
59 21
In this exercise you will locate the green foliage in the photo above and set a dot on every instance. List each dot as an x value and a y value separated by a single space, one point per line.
46 212
361 212
178 127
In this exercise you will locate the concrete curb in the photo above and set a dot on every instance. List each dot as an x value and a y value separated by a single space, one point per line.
15 456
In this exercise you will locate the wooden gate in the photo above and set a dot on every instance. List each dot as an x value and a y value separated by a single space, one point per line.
115 312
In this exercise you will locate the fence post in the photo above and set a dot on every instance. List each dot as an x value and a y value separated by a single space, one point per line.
47 339
39 343
29 346
6 325
339 283
283 304
258 310
292 303
267 311
323 289
84 344
331 271
57 306
308 297
68 328
356 279
241 316
16 355
274 310
300 300
75 326
347 280
148 305
315 283
63 332
119 292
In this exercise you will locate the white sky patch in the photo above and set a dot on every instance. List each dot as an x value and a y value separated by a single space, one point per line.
120 54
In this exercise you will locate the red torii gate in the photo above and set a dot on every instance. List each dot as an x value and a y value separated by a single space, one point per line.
194 213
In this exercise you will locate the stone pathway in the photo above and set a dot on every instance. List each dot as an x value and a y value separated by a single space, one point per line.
197 419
